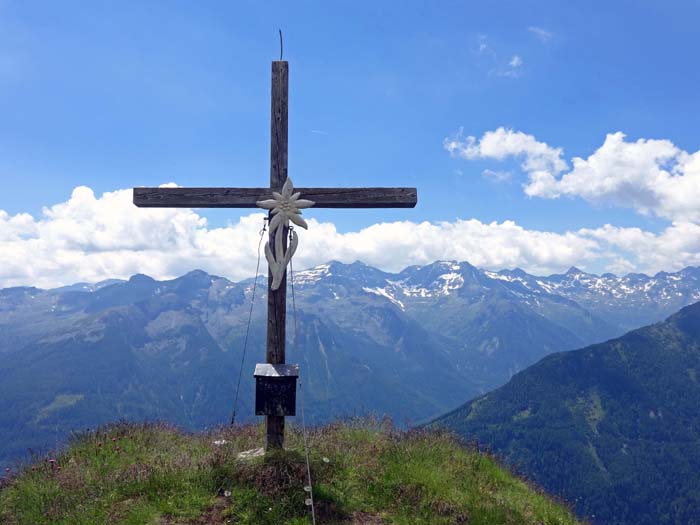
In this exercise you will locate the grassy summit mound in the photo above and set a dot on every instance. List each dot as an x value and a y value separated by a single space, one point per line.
363 472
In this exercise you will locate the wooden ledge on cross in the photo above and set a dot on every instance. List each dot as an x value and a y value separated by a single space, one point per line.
247 197
278 400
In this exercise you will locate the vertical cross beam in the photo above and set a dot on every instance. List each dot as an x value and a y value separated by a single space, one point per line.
277 299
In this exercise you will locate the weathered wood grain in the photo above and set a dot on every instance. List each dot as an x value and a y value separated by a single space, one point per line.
247 197
277 299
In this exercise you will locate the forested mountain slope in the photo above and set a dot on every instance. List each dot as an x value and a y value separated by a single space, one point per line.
614 428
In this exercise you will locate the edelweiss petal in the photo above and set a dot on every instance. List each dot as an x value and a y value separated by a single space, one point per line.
296 219
303 203
287 188
267 204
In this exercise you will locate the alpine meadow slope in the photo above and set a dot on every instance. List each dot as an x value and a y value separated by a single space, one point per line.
613 428
362 472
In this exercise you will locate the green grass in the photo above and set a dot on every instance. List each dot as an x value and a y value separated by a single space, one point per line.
363 472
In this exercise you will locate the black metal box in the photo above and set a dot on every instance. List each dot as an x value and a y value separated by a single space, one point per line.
275 389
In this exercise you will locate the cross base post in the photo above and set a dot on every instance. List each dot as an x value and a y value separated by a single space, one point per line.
274 427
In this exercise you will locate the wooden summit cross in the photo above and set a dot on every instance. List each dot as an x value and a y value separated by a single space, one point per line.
282 206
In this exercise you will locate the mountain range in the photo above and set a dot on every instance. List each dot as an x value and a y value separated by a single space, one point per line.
412 344
613 428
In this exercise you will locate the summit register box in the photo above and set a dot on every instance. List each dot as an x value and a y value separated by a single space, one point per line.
275 389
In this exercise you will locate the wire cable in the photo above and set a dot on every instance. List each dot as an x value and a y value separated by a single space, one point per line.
247 330
301 399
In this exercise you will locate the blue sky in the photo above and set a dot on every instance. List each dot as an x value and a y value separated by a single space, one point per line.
111 95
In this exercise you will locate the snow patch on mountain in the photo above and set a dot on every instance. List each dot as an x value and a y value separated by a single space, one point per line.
412 291
451 281
312 275
382 292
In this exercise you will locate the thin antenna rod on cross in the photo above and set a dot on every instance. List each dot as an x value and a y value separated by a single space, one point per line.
281 48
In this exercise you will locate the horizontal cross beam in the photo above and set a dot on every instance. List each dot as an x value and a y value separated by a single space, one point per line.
247 197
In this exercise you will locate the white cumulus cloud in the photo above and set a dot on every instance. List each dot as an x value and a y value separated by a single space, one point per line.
90 238
650 176
503 143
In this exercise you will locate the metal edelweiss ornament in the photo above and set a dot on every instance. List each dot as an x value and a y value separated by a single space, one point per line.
285 207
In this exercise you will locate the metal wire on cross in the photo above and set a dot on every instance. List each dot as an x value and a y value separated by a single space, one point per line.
247 330
309 487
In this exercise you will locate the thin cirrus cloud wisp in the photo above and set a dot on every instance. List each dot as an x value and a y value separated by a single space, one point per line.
543 35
